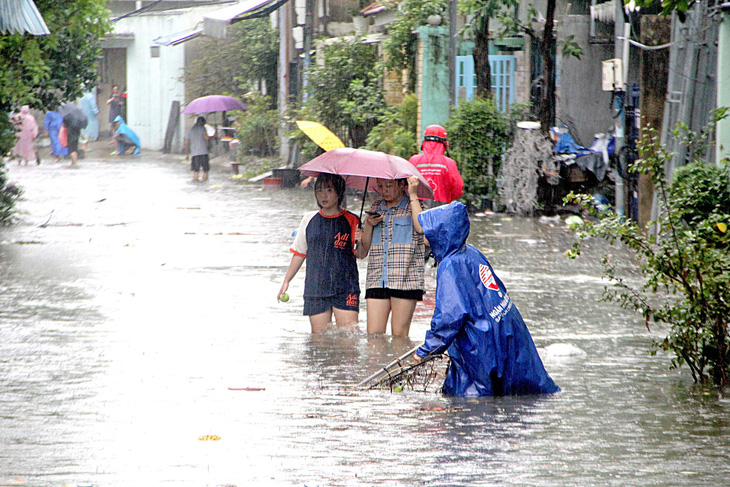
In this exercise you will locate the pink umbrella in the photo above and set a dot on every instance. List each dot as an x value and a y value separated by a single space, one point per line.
213 103
360 168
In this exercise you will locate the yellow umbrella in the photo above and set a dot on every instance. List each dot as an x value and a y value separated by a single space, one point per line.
320 135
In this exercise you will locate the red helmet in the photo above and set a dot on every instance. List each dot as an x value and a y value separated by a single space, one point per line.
435 133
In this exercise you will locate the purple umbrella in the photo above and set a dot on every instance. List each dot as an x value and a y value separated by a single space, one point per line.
214 103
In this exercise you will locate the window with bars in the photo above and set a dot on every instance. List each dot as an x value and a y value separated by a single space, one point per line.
503 79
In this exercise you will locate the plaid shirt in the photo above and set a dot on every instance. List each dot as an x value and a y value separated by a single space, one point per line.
396 258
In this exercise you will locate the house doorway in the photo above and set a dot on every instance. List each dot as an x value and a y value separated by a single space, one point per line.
112 71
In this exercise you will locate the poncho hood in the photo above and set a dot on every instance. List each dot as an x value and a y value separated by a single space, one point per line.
433 147
446 228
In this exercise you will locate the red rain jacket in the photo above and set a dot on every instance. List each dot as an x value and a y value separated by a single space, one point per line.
440 172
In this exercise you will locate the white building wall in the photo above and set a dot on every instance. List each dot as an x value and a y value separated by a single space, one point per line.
154 83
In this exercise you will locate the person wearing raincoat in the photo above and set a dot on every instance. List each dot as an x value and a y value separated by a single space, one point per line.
439 170
27 133
53 122
491 350
125 138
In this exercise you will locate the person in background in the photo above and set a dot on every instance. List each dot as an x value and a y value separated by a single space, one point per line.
27 132
88 105
491 350
326 240
116 106
439 170
393 239
125 138
196 144
52 123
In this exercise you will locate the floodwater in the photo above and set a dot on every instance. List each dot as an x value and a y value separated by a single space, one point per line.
141 344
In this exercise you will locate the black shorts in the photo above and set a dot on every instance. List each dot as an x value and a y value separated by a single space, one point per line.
387 293
200 162
344 301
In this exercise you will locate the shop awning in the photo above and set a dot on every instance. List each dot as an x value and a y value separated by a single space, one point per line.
21 16
179 37
215 23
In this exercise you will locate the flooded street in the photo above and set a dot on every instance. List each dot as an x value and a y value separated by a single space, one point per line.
141 344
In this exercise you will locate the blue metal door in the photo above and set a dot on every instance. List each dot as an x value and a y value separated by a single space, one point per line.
503 79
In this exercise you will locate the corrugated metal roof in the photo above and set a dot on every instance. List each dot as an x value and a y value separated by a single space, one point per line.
21 16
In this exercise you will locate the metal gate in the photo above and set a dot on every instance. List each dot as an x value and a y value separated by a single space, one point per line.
503 79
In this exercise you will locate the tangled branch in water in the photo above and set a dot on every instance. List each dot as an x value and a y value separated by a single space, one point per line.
530 155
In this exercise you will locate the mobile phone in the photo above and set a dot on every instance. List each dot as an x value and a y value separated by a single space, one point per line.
373 213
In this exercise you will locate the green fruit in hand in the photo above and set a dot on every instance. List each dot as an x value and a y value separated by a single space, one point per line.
284 298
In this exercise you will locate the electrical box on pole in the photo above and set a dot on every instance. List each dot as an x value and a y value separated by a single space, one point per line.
612 75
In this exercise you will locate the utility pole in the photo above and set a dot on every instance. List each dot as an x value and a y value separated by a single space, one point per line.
622 30
452 54
283 82
308 34
722 146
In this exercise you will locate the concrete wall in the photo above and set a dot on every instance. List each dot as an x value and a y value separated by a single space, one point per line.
581 105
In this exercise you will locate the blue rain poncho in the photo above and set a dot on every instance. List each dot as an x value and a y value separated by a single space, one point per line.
491 350
126 137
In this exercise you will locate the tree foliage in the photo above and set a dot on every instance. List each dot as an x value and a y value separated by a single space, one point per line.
685 266
43 71
547 47
478 135
396 132
480 12
235 66
258 132
400 45
346 92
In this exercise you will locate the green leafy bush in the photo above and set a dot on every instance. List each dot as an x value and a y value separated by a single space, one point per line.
685 263
396 132
346 92
401 44
478 135
258 132
235 65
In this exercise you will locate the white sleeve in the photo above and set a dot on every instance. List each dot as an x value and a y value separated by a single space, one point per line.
299 246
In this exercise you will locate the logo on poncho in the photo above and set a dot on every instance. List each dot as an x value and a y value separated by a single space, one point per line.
485 274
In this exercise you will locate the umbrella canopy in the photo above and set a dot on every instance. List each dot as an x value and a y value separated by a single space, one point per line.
360 167
214 103
73 116
320 135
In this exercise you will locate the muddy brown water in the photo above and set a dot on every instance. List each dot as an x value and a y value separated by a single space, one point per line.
141 344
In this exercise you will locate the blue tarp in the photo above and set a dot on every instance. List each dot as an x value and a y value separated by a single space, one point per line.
491 350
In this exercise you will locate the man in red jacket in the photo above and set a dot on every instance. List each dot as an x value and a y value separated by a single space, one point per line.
440 171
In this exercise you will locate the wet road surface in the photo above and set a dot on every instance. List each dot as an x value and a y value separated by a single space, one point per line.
138 315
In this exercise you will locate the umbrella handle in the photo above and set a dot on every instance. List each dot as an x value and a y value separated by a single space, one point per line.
362 206
364 195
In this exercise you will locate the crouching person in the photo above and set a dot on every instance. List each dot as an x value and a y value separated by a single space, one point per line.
491 350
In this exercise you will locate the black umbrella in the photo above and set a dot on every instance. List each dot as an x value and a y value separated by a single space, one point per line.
73 117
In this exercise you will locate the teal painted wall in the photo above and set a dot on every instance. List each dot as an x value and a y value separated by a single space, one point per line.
433 90
433 77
